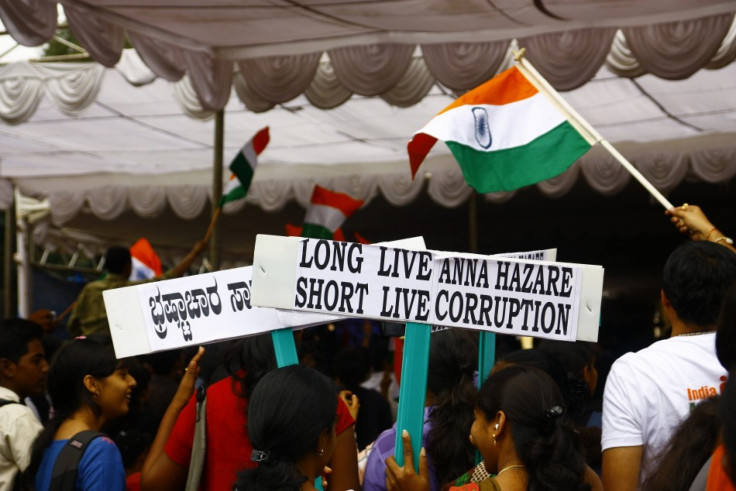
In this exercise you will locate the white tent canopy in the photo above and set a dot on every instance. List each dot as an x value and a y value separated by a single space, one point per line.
91 140
277 46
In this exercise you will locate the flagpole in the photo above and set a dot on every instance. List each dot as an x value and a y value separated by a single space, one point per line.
217 189
213 221
583 127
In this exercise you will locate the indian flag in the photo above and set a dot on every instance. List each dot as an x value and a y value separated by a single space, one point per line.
327 212
146 263
243 166
296 231
504 134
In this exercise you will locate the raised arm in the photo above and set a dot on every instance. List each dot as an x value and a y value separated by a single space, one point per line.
159 471
690 220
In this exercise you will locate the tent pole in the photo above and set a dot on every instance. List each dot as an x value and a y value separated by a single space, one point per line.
473 223
24 264
8 262
215 245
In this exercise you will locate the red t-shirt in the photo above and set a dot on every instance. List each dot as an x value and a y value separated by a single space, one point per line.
133 482
228 446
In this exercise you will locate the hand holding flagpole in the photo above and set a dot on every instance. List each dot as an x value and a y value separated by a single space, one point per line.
583 127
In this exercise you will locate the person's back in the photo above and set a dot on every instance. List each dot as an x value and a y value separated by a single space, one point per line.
88 315
228 445
23 370
648 393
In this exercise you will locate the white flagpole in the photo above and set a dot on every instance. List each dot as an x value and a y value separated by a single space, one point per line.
583 127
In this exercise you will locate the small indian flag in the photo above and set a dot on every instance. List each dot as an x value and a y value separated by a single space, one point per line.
296 231
146 263
327 212
504 134
243 166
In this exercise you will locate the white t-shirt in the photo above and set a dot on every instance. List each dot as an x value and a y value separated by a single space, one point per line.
18 429
649 393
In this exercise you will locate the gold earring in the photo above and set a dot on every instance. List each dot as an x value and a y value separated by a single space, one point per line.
494 439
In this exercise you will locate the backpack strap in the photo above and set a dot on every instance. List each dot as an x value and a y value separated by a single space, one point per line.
64 473
5 402
199 445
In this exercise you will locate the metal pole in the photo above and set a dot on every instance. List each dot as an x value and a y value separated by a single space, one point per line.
8 262
24 267
215 245
473 223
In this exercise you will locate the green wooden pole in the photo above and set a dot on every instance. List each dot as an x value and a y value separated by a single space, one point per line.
284 347
486 355
486 359
413 390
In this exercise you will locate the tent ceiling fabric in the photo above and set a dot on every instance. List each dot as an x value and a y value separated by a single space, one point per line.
370 43
128 147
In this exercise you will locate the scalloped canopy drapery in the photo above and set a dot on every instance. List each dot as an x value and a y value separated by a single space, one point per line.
91 140
277 46
288 60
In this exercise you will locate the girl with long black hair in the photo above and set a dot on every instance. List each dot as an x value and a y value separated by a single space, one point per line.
520 433
291 424
88 387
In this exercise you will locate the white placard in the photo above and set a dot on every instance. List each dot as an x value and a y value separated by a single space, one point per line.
199 309
540 255
494 293
193 310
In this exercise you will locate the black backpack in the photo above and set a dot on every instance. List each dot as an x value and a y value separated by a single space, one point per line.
64 474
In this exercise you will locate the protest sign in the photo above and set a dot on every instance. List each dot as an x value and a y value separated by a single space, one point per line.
493 293
191 311
199 309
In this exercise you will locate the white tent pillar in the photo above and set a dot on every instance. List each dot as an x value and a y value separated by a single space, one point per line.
215 241
23 259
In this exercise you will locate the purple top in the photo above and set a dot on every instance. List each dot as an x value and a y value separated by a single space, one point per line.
375 470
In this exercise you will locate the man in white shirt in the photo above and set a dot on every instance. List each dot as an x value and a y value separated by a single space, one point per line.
23 371
650 392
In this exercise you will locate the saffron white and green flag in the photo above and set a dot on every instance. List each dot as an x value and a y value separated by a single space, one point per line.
243 166
327 212
504 134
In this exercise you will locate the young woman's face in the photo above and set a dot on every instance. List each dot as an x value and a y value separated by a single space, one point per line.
481 436
115 393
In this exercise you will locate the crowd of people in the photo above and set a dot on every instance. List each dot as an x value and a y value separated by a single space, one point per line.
73 416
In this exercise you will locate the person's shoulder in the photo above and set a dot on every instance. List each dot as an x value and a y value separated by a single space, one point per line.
223 389
678 347
103 444
649 354
101 451
15 412
386 442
